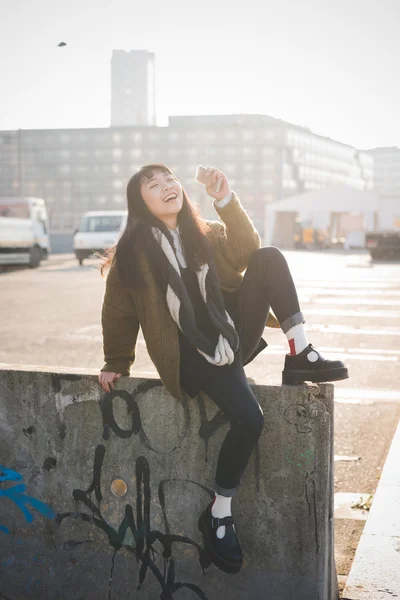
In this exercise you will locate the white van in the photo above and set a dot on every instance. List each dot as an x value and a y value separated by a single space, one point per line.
24 231
98 230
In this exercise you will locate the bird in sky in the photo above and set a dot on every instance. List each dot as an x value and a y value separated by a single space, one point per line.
61 44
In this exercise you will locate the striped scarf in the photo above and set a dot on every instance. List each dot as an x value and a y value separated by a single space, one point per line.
182 311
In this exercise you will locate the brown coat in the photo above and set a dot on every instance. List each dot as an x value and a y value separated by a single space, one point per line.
125 309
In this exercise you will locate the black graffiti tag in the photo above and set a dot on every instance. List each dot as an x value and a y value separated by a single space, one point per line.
144 536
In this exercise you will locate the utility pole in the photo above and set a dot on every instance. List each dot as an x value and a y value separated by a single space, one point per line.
20 165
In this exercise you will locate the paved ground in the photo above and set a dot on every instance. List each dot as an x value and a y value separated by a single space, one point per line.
51 316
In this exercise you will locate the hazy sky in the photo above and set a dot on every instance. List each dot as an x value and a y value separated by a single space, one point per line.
331 65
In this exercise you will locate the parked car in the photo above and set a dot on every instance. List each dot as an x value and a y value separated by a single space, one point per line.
98 231
383 244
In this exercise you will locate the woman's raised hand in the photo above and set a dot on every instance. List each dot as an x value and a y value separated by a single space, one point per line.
107 380
212 176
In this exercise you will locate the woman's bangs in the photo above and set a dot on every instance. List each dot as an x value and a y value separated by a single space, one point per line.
148 171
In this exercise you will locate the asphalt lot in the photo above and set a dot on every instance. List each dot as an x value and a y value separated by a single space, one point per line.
51 316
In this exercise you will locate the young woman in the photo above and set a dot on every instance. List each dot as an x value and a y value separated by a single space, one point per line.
180 278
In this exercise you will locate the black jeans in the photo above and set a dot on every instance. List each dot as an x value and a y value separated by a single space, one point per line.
266 283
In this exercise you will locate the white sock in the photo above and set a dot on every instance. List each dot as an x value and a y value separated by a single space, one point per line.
220 509
297 339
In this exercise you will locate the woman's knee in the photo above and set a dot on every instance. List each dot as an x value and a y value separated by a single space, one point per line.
267 254
255 421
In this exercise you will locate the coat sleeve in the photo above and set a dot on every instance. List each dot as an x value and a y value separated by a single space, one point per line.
237 238
120 326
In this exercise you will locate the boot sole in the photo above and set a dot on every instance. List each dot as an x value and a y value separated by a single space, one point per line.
296 377
219 562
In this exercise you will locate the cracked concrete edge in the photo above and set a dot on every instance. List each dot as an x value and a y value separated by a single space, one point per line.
375 573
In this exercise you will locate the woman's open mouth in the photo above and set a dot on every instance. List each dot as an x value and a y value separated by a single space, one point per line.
171 197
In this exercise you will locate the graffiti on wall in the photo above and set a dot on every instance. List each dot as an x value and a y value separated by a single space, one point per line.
17 494
134 532
136 524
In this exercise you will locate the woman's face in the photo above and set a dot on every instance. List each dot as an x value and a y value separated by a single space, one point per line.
163 196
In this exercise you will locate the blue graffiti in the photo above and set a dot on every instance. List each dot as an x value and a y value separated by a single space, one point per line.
22 500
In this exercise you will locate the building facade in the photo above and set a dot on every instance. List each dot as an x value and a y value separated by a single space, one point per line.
264 158
133 88
387 184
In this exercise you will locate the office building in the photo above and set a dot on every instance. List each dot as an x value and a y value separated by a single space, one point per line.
265 159
387 185
133 88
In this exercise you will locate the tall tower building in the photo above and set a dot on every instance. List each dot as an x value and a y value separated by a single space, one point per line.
133 88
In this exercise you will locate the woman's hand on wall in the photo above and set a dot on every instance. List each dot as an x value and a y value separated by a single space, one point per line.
213 176
107 380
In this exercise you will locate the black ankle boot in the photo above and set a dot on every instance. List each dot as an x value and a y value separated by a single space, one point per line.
299 368
226 553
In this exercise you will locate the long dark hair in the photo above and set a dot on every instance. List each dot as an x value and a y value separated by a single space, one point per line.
137 237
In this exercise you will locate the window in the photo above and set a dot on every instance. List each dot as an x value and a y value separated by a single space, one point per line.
173 136
248 135
117 152
48 155
65 138
116 137
65 153
116 168
118 184
137 137
268 134
14 209
230 135
101 223
136 153
210 135
64 169
267 151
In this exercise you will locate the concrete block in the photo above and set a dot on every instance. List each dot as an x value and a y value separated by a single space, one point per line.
100 493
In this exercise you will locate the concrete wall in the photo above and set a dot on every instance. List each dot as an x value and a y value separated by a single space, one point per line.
65 535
